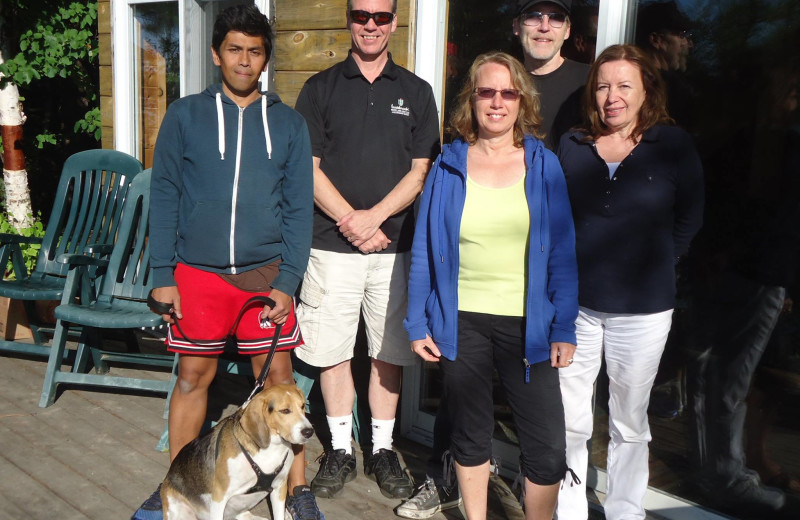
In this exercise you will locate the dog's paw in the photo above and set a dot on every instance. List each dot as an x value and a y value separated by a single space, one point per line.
247 515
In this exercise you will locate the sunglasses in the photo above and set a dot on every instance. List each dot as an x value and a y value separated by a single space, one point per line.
508 94
536 18
363 17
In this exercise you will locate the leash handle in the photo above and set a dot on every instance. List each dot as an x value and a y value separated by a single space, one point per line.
157 306
166 308
262 377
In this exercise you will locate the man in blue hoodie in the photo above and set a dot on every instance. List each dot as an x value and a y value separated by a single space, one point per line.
230 217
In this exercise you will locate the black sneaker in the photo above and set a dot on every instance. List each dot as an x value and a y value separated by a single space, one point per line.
750 496
747 496
336 467
427 500
151 509
302 505
384 468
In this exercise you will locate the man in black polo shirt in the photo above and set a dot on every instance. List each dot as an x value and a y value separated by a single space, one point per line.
374 130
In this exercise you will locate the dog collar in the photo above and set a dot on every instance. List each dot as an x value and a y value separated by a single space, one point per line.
263 480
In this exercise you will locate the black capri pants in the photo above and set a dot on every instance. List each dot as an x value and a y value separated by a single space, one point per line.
486 341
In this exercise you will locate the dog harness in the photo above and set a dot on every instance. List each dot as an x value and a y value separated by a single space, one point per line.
263 480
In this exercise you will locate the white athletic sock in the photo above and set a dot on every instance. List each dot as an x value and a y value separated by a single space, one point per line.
382 434
341 428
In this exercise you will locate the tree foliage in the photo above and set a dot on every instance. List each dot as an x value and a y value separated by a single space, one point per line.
51 53
61 44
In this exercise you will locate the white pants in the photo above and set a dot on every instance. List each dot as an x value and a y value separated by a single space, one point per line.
632 345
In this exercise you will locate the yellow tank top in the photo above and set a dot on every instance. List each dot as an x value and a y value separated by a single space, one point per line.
493 248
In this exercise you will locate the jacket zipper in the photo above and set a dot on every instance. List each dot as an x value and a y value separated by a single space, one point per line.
235 194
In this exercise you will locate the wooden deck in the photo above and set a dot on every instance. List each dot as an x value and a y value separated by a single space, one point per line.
92 454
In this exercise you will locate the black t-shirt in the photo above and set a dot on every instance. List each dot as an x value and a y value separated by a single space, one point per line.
366 135
560 94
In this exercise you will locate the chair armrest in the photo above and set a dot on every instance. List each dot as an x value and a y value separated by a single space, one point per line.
84 272
8 238
76 259
98 249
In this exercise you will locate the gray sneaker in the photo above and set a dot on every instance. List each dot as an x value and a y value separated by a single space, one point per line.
427 500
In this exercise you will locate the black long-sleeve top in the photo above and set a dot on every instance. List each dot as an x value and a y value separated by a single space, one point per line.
630 229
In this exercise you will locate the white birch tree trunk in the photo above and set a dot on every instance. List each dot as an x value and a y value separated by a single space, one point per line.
15 176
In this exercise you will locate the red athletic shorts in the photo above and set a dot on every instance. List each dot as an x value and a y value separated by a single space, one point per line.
210 305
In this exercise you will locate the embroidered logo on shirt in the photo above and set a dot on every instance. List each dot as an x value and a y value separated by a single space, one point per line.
400 109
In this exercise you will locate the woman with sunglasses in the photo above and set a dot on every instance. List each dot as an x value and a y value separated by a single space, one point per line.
493 282
636 187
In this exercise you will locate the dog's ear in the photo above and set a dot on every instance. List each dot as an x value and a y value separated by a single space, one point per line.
254 422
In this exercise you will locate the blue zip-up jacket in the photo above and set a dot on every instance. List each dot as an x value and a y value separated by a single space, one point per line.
231 189
552 276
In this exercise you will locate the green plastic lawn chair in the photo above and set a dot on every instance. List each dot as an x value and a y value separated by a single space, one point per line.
84 219
120 303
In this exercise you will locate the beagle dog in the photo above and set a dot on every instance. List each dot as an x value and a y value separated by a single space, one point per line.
223 474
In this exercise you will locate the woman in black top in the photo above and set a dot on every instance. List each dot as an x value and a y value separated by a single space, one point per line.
636 188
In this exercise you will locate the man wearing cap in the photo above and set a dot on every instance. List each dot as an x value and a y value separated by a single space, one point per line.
664 32
542 28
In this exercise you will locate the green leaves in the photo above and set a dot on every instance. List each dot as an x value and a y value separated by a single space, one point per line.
61 44
30 252
90 124
45 138
55 46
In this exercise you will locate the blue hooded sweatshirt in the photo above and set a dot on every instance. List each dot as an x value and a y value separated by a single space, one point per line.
552 274
232 188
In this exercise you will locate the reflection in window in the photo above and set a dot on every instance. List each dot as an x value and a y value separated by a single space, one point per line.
157 69
724 413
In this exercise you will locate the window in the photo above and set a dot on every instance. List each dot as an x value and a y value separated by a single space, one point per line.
161 53
728 386
157 70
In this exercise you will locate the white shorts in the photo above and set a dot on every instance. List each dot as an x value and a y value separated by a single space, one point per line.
337 289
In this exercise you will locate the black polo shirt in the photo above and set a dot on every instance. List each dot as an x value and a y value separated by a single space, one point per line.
366 135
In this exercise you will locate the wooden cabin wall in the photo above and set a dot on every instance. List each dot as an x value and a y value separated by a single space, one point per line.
312 35
106 78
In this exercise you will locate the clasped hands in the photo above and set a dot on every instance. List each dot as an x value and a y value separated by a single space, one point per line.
361 228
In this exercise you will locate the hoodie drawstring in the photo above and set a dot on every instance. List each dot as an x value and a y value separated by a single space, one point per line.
266 127
220 128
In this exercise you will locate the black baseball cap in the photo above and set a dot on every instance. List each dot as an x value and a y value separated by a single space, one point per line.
524 5
661 17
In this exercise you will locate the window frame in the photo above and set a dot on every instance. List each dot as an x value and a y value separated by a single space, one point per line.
192 63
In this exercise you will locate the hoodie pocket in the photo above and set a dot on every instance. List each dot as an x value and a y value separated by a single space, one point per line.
205 235
258 233
548 314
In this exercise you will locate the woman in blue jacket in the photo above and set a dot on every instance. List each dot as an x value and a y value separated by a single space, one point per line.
494 284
